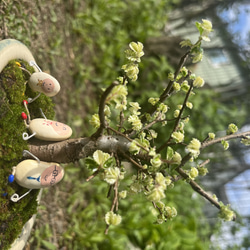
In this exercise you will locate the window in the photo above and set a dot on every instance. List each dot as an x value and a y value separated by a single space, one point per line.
217 56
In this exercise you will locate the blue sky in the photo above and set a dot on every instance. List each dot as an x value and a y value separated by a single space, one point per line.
238 18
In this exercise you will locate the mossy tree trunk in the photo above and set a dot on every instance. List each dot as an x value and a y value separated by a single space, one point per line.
13 90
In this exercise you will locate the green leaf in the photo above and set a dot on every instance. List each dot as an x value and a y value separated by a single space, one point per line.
170 153
109 163
49 245
90 163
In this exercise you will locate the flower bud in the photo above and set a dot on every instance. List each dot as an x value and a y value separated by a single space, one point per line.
112 219
198 82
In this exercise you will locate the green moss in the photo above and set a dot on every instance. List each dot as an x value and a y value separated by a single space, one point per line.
13 90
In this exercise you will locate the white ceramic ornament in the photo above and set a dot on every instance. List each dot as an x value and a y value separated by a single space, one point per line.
44 83
48 130
45 129
35 175
11 49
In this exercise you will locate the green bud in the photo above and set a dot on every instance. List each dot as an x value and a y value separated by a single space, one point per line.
178 137
156 161
176 113
232 128
226 213
162 108
111 175
184 71
168 180
186 43
170 212
202 171
123 194
134 108
137 48
160 180
189 105
112 219
205 28
198 82
211 136
136 122
225 144
215 197
176 158
131 70
95 121
193 173
152 134
171 76
136 187
176 86
197 57
170 153
107 111
185 87
246 141
153 101
194 147
134 148
100 157
156 194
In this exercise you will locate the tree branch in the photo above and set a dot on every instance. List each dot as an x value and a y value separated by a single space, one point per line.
75 149
198 188
101 110
224 138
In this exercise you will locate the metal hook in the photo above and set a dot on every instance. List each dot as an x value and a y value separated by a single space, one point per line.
33 63
43 114
16 198
26 136
25 152
30 100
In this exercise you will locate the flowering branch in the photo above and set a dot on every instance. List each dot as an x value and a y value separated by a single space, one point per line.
133 139
242 135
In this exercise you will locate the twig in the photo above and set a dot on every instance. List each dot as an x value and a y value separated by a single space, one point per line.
115 202
101 109
198 188
133 161
183 107
177 120
92 176
224 138
166 93
204 163
129 139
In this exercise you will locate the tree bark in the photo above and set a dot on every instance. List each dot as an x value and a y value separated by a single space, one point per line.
72 150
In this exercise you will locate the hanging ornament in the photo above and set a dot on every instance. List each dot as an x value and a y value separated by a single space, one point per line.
42 82
35 174
44 129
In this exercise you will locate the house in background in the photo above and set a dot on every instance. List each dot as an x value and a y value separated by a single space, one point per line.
223 71
221 67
